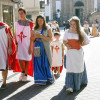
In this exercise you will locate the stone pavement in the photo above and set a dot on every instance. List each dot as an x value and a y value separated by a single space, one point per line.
57 91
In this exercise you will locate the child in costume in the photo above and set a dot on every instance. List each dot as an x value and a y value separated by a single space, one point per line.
57 49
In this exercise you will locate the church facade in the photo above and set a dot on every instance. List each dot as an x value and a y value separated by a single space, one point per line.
9 11
62 10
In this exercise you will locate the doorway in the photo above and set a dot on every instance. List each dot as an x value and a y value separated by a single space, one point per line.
79 14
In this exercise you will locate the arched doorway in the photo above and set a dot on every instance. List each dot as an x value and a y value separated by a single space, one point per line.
79 9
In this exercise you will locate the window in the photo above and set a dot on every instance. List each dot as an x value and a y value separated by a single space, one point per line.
42 4
79 3
99 9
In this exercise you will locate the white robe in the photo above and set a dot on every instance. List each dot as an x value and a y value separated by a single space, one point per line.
57 54
3 49
23 47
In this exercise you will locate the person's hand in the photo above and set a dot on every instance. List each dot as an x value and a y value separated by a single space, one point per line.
10 51
68 46
33 37
37 35
41 36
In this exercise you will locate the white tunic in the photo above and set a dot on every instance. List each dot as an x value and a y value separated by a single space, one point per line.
75 58
57 54
3 49
23 42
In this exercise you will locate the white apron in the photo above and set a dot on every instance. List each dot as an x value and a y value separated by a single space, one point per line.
75 61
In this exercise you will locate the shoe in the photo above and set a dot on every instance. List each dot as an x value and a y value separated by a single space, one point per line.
21 76
69 90
24 79
3 86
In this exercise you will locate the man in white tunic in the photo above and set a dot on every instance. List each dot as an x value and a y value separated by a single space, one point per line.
22 31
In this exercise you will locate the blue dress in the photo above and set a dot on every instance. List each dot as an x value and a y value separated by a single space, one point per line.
75 80
42 72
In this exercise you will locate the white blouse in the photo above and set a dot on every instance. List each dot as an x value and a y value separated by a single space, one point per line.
68 35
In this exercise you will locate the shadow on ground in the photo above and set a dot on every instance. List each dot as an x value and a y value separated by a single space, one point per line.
64 96
11 87
25 94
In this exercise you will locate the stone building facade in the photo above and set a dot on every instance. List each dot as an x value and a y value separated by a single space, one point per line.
62 10
8 11
95 15
32 7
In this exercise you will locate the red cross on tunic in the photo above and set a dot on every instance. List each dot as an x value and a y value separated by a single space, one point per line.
21 36
56 48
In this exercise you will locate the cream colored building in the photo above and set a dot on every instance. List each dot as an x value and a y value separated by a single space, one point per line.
95 15
62 10
32 7
8 11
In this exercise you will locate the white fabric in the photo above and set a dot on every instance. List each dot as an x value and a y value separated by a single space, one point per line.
53 26
68 35
86 26
75 61
48 27
86 38
3 49
94 25
23 47
57 56
75 58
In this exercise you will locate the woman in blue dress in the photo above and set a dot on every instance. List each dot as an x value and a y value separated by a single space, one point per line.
41 36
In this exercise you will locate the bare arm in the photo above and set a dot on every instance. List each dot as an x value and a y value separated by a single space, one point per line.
67 45
32 38
10 44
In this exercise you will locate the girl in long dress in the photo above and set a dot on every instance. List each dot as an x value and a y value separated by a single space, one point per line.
94 29
41 36
74 39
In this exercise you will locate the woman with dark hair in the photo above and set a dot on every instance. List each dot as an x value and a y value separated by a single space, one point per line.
41 36
74 39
